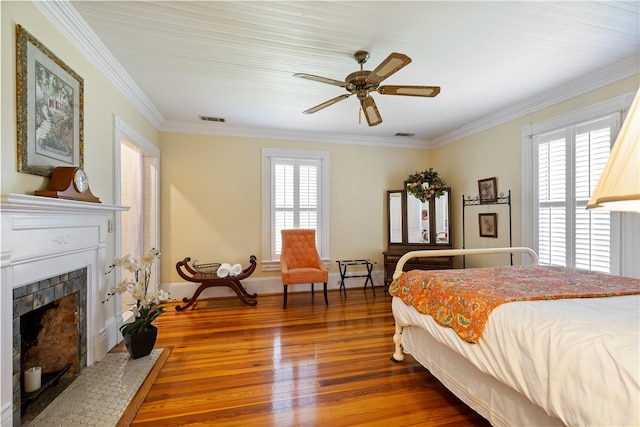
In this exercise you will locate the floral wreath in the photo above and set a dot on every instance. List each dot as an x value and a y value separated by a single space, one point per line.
426 185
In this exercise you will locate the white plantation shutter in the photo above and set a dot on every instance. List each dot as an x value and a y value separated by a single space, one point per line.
552 186
560 228
308 191
593 229
295 195
283 200
295 186
570 161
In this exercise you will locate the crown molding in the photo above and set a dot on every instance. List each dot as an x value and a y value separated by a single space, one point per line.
224 129
70 23
623 69
609 106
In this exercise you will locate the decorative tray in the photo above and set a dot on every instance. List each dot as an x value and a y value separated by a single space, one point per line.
209 268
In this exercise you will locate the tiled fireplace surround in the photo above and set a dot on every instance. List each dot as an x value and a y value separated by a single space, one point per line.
43 239
39 294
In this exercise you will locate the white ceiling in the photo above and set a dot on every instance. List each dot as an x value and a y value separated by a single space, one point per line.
494 60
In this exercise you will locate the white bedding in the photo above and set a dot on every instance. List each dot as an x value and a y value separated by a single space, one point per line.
578 359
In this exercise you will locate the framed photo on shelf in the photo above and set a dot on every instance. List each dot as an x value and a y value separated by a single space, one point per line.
488 224
50 103
488 190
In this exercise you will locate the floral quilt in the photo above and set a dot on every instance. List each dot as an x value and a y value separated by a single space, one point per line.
463 299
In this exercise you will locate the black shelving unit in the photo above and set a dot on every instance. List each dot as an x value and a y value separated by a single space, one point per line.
475 201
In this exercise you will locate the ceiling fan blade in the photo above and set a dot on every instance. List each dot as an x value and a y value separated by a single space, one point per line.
326 103
393 63
371 112
429 91
320 79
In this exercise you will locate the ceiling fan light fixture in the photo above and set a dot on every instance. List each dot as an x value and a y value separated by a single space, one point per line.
389 66
361 56
326 104
428 91
362 83
320 79
370 111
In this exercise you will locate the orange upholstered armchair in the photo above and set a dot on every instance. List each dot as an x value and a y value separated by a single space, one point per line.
300 262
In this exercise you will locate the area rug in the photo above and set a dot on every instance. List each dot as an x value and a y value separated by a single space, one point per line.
106 394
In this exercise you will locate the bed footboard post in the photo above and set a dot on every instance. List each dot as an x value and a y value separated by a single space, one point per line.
398 356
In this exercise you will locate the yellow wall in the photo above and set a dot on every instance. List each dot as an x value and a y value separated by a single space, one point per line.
101 102
211 191
496 152
210 185
211 197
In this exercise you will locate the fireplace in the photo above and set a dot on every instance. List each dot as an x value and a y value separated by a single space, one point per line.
49 333
51 249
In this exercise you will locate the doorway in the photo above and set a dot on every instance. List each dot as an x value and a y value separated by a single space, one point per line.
137 184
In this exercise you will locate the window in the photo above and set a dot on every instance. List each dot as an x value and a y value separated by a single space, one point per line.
562 161
294 195
568 234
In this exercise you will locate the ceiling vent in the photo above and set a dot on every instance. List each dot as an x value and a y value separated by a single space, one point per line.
406 135
212 119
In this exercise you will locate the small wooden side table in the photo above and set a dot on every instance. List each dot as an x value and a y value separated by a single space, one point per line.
208 280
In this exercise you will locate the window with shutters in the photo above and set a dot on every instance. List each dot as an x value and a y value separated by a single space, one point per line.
295 195
562 159
570 160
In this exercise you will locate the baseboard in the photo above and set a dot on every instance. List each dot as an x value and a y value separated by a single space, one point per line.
105 342
111 336
263 286
6 415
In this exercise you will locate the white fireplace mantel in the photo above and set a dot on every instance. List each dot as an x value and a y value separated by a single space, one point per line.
42 237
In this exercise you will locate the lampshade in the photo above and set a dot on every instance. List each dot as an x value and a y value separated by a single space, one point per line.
618 188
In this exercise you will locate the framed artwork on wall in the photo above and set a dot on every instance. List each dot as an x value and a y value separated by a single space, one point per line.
488 224
50 103
488 190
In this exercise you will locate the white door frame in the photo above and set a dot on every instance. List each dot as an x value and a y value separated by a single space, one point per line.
122 130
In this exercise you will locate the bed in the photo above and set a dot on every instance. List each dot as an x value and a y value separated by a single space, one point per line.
562 361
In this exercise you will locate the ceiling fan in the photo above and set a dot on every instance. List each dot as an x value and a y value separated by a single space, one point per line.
362 83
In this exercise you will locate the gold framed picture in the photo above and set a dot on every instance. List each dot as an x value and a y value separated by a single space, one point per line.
487 190
50 103
488 224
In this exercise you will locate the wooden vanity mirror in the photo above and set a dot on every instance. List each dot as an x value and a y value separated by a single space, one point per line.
416 225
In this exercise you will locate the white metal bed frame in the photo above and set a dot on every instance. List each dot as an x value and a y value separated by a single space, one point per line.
513 394
498 403
398 356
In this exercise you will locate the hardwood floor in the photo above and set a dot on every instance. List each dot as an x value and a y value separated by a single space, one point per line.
308 365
